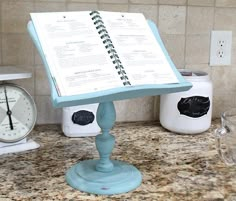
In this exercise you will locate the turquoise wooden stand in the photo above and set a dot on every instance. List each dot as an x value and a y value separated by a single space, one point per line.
105 176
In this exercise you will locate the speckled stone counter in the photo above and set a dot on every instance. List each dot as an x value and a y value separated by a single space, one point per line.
174 167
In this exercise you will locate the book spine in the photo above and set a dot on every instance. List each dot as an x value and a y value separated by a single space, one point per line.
104 35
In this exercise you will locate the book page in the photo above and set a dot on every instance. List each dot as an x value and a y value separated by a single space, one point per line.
138 50
76 56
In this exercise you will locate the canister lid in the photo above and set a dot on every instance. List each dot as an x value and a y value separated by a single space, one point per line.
193 75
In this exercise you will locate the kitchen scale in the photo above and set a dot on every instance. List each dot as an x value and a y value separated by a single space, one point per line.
18 112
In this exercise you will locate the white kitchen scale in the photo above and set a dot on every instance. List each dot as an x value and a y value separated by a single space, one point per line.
18 112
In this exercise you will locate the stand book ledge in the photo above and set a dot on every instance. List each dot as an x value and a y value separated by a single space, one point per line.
105 176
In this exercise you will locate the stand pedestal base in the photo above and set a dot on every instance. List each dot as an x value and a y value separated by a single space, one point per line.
104 176
84 176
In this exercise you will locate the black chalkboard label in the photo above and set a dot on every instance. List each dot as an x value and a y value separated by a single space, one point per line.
83 117
194 106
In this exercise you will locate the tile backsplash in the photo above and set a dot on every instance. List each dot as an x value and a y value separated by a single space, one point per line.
185 27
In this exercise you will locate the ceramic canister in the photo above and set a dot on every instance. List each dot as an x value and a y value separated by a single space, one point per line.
80 121
188 112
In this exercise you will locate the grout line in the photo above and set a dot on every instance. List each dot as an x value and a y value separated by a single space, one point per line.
34 62
1 33
185 33
213 28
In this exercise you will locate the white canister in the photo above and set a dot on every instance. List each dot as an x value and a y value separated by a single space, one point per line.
80 121
188 112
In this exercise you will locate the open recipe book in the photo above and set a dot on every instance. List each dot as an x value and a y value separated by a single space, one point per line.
89 51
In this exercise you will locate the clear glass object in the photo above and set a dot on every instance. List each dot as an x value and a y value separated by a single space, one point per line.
226 137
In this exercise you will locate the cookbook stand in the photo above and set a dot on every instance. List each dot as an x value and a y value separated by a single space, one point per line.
105 176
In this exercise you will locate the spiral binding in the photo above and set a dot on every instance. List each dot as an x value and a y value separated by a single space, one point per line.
98 22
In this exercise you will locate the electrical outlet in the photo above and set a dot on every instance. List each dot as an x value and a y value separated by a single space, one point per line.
221 44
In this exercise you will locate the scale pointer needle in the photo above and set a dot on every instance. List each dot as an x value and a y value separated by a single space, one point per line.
8 109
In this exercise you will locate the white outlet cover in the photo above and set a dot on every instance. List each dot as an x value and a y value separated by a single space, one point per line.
221 45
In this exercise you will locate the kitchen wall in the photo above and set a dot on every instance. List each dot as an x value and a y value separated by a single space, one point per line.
185 27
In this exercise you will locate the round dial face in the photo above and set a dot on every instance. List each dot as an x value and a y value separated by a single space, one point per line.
17 113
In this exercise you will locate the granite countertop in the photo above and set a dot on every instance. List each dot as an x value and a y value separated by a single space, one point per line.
173 166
